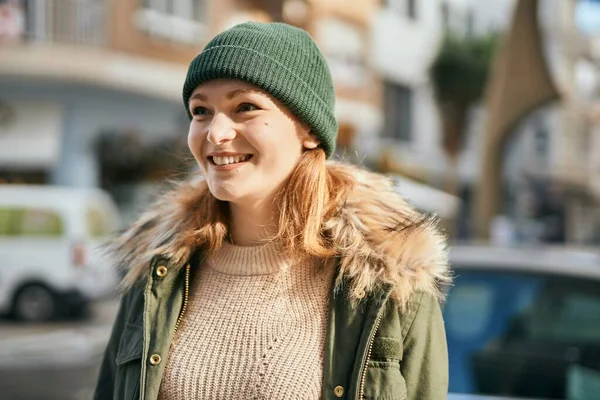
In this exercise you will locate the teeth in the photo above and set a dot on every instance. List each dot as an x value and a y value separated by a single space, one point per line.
230 159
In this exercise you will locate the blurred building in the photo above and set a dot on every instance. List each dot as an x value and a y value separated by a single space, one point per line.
406 38
551 161
343 31
404 41
86 85
73 70
551 167
90 95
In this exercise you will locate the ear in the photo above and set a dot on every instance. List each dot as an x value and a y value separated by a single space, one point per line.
310 143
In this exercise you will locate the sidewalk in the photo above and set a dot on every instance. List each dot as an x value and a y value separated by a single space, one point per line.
61 348
54 361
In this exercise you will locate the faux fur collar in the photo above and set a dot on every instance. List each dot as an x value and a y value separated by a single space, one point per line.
379 238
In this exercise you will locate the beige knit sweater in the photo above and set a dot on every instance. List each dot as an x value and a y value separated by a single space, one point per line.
254 329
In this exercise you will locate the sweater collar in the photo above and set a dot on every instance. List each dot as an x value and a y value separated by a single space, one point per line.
264 259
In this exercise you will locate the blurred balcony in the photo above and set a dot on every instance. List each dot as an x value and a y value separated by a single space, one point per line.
173 27
81 22
105 43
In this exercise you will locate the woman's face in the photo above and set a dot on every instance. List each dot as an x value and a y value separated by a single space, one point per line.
244 140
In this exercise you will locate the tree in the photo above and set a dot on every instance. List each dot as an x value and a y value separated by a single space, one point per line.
459 74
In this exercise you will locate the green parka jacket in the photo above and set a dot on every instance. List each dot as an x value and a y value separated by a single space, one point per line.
385 338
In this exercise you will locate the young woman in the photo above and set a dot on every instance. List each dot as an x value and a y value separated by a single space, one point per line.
276 275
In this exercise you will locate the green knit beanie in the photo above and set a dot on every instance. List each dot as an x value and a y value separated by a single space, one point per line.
280 59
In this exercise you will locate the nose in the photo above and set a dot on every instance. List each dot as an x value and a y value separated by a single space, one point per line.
220 130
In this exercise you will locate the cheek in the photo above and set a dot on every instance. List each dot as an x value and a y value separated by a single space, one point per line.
195 140
277 141
280 154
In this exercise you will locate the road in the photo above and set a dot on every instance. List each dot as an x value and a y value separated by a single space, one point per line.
54 361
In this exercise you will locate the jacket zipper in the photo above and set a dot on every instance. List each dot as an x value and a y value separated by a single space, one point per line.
186 292
361 393
142 384
186 295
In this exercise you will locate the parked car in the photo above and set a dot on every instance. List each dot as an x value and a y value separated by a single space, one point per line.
50 237
524 323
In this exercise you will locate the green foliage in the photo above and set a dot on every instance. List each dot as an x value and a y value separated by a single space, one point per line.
460 70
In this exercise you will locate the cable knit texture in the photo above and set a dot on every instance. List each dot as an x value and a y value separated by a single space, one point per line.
254 329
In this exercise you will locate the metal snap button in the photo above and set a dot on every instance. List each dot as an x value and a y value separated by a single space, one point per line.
155 359
161 271
338 391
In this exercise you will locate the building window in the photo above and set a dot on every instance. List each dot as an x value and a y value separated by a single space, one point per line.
398 111
344 45
178 20
445 15
199 10
411 9
407 8
186 9
470 22
541 140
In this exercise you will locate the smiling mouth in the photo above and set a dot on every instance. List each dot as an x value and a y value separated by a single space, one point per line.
227 160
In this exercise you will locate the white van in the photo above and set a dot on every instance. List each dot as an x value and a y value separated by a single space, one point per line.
50 248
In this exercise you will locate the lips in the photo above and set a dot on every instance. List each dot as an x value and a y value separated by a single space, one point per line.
229 159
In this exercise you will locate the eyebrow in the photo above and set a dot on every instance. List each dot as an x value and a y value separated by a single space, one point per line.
198 96
230 95
239 92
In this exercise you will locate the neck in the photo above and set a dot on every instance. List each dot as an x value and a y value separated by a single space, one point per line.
252 222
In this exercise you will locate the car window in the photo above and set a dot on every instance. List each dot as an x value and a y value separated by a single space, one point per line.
98 223
522 335
32 222
5 221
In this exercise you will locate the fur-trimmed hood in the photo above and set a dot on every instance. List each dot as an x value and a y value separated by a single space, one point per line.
378 237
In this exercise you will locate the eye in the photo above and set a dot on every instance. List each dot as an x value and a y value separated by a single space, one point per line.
246 107
200 111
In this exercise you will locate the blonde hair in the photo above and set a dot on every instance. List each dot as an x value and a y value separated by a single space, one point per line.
309 197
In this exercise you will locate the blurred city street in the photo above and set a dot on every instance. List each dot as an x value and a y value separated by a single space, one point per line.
484 113
55 360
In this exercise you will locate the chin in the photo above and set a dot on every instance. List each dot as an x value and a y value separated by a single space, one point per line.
225 192
224 195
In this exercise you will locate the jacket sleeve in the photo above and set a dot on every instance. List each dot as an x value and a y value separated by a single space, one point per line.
108 368
425 359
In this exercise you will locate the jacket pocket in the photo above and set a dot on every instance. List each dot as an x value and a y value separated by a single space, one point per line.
129 363
384 381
